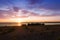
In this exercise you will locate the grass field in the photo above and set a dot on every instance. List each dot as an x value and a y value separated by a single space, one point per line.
33 32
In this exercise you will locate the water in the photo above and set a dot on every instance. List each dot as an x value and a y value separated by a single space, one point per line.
52 23
10 24
20 24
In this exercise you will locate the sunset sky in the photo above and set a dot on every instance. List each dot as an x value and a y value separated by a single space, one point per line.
40 9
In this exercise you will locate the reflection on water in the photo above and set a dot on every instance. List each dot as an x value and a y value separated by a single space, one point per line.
52 23
10 24
20 24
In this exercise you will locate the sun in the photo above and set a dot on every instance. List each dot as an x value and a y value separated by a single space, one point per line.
17 20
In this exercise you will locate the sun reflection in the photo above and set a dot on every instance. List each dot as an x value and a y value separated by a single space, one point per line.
19 24
18 21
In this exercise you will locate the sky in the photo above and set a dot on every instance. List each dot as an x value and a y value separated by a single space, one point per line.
17 8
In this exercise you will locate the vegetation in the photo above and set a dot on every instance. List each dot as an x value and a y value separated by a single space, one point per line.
36 32
4 30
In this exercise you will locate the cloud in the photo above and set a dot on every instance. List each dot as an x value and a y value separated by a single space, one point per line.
16 9
32 2
40 7
47 4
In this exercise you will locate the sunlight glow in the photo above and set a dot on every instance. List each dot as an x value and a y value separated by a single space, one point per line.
17 19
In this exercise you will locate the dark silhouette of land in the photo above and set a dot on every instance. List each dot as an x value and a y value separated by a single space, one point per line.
30 32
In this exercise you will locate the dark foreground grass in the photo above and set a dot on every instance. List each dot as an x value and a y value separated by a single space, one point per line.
5 30
31 33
